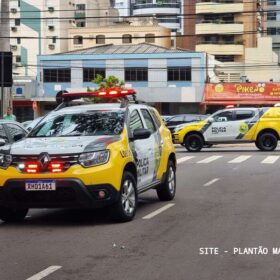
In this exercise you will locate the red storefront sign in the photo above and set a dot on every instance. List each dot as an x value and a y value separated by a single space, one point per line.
242 93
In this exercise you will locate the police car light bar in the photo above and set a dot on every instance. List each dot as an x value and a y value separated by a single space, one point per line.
108 93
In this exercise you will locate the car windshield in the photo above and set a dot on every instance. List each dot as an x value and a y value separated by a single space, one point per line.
90 123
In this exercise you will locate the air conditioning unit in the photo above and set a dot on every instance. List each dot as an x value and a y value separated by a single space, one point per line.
14 28
51 9
13 10
51 46
14 47
51 27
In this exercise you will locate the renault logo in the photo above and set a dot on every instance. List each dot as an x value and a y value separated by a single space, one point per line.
44 159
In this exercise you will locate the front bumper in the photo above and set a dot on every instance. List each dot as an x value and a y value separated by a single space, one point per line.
70 193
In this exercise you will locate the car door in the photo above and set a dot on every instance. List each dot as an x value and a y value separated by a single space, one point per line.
3 134
244 121
140 150
155 144
13 130
221 128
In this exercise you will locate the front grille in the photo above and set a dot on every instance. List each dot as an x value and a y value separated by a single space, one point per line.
67 160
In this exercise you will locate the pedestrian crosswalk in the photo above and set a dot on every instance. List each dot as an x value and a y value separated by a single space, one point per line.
267 160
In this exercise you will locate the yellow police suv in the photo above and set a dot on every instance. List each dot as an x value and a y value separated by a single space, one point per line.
237 125
89 156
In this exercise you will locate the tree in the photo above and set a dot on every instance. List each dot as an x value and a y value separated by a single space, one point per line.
106 83
103 84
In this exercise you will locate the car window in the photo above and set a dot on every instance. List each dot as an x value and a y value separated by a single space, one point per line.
90 123
191 118
135 121
3 134
244 114
155 117
176 119
148 120
14 129
225 116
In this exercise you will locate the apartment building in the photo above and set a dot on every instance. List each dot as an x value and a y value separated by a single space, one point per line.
124 7
273 24
167 12
140 30
41 27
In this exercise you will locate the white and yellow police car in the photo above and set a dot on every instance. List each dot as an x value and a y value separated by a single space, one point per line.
89 156
236 125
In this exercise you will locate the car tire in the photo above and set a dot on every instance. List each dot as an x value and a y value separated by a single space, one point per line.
125 208
194 142
267 142
12 215
167 190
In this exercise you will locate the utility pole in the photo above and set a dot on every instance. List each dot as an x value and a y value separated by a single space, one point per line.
4 47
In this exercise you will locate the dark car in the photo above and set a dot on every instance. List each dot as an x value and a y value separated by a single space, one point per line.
184 118
11 131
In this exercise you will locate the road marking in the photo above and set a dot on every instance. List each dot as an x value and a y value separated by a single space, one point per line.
210 159
211 182
45 273
183 159
270 159
239 159
160 210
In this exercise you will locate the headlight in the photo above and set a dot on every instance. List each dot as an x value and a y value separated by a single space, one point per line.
94 158
5 161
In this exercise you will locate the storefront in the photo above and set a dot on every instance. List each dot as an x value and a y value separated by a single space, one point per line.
218 96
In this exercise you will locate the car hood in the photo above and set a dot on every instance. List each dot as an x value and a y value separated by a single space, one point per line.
62 145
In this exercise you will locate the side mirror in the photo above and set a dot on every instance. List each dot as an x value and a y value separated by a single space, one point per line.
211 120
141 133
2 142
19 136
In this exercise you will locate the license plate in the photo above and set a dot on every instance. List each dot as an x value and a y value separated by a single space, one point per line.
42 185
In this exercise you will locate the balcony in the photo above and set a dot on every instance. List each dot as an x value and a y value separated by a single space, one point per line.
219 7
221 48
216 27
151 9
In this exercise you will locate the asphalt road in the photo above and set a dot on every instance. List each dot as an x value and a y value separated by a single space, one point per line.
227 198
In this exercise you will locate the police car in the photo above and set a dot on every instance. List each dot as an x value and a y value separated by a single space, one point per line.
237 125
89 156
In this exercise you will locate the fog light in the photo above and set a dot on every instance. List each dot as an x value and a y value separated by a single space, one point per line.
101 194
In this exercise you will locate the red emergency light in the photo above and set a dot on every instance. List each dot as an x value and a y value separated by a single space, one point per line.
56 167
32 167
106 93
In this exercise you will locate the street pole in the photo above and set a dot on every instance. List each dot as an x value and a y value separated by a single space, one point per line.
4 47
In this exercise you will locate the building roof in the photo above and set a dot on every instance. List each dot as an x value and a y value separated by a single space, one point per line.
125 49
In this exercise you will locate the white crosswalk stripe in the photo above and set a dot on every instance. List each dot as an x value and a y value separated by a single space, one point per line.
183 159
210 159
240 159
270 159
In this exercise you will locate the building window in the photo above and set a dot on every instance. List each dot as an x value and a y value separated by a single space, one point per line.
271 16
57 75
100 39
127 39
225 58
18 59
18 41
150 38
78 40
133 74
54 39
81 7
17 22
179 74
91 73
